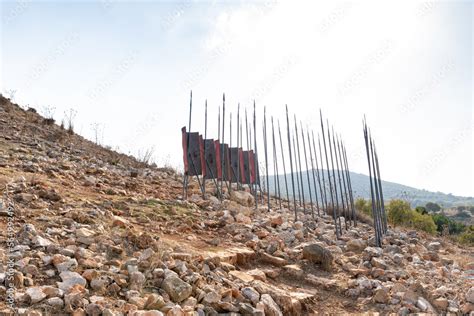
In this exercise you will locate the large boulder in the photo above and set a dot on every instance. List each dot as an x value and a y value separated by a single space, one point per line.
318 254
176 288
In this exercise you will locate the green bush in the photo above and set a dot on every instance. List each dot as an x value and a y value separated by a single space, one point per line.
432 207
363 206
399 212
467 237
423 222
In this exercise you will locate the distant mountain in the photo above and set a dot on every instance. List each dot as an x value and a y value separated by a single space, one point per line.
391 190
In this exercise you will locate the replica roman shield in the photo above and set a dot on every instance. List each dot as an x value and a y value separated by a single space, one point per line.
217 148
184 144
194 154
245 167
225 161
210 159
252 167
234 164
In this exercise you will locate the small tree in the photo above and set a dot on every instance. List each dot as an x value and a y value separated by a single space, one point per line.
69 118
421 210
432 207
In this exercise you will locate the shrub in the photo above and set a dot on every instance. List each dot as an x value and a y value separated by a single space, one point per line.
363 206
467 237
423 222
399 212
432 207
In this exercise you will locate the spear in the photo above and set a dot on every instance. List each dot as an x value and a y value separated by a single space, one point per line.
313 171
296 172
354 217
318 176
376 189
185 176
336 210
344 175
237 178
307 173
255 161
275 163
284 168
266 153
323 186
291 163
381 192
299 164
339 179
223 154
378 241
329 175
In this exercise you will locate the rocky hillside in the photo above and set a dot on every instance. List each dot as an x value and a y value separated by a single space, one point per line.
93 232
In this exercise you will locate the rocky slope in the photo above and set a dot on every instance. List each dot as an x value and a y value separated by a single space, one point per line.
91 232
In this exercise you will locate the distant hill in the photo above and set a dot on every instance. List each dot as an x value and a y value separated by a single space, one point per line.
391 190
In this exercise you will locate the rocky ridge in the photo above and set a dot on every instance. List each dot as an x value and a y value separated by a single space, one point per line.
96 233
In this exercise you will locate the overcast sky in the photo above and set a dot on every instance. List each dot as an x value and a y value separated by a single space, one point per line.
129 66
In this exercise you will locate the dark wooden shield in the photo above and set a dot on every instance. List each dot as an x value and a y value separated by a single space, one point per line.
210 159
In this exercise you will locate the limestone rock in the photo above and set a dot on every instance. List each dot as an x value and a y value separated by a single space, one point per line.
176 288
317 254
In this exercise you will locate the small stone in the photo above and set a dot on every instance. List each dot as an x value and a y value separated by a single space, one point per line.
55 302
381 296
356 245
317 254
137 280
251 294
69 279
434 246
211 298
271 308
154 301
441 303
176 288
35 294
470 295
378 263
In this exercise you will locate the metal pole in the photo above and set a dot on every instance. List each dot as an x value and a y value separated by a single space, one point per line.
354 217
237 178
381 191
284 167
344 181
307 173
223 154
255 161
266 153
323 184
377 236
296 172
334 178
185 180
313 171
275 160
318 177
339 179
205 152
377 198
329 175
291 163
299 164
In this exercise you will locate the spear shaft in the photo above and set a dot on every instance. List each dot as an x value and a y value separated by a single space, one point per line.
329 176
291 163
307 172
313 171
284 168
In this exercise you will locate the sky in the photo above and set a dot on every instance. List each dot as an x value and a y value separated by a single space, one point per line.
126 69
